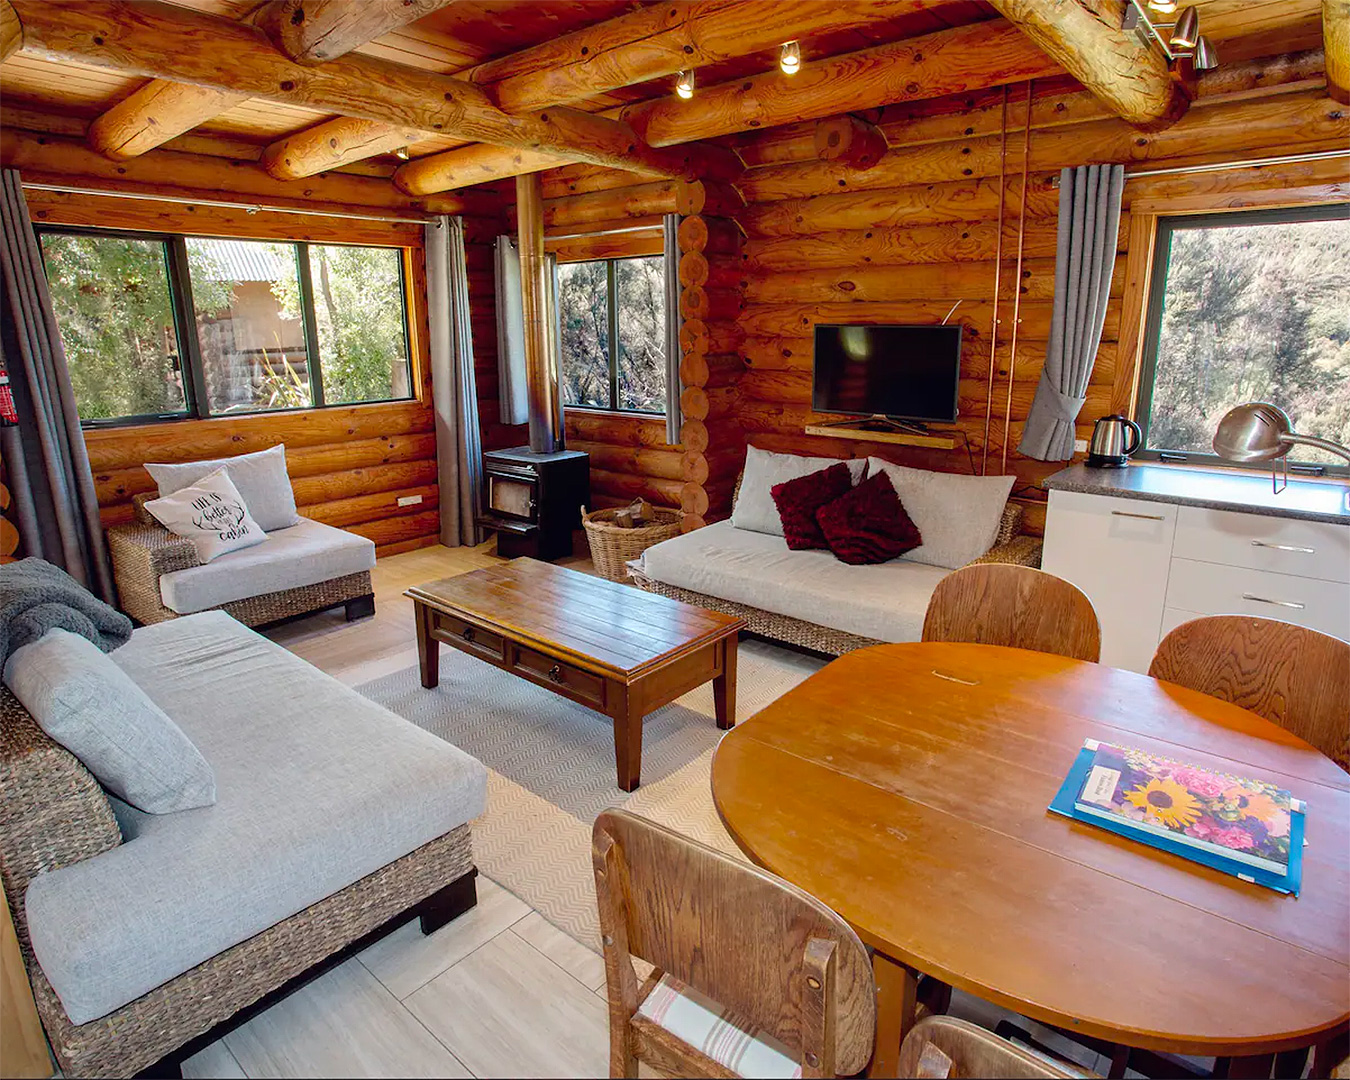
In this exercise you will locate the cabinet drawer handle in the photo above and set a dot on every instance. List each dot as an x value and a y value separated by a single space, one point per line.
555 673
1146 517
1277 603
1285 547
468 634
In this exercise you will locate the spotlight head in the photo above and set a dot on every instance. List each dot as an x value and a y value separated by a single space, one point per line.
790 58
684 84
1206 58
1187 30
402 153
1162 7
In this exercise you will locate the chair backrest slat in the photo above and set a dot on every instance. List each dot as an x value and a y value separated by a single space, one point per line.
1295 677
942 1046
731 931
1017 606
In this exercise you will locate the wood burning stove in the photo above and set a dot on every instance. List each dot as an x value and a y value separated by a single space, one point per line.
533 500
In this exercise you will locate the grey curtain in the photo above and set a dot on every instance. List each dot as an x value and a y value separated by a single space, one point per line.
56 509
512 392
1089 219
673 322
454 397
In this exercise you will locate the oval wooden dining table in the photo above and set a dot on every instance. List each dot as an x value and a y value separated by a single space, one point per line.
906 786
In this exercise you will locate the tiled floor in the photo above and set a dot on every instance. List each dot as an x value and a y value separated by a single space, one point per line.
498 992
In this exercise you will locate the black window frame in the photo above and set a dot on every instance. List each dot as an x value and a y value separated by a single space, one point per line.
1148 362
195 392
612 322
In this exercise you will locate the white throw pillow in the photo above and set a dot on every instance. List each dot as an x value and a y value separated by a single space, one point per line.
755 509
84 701
957 515
261 478
211 513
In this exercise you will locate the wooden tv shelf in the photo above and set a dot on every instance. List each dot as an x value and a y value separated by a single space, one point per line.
880 434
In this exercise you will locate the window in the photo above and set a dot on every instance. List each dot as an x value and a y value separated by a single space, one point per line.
160 327
619 301
1248 306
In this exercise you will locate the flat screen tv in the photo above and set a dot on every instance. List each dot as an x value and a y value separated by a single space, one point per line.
905 372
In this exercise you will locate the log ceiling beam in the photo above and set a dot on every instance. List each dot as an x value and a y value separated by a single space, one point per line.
1085 37
11 31
647 44
160 40
316 31
934 65
1336 47
159 111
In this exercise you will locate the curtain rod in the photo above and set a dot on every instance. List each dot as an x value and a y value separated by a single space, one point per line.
248 208
1222 166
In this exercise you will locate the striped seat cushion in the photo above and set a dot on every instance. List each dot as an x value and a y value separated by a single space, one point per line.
704 1024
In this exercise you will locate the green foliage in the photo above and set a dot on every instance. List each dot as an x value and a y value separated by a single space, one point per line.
358 305
583 305
1254 312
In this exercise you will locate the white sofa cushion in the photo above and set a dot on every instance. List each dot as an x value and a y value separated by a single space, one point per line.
755 509
87 703
957 515
316 788
886 601
261 478
211 513
304 554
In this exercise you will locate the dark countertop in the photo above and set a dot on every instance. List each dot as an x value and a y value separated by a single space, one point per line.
1212 489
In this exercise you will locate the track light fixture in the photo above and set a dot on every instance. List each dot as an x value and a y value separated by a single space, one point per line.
684 84
1185 40
1186 32
1162 7
1205 57
402 153
790 58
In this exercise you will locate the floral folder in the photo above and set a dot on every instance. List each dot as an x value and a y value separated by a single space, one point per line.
1245 827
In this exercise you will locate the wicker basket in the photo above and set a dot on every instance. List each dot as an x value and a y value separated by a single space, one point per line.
612 547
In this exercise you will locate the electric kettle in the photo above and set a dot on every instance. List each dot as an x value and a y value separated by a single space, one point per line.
1114 439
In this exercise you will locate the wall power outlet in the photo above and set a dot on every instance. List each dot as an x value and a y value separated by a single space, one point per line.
409 500
1080 446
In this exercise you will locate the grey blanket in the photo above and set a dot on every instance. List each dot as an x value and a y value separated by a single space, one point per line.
36 596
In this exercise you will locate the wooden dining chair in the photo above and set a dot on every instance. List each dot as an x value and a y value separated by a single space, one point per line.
1295 677
752 976
1002 604
942 1046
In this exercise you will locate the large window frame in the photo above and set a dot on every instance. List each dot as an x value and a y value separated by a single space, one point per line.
195 392
1167 226
612 323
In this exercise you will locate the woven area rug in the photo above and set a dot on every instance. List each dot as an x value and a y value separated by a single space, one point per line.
551 768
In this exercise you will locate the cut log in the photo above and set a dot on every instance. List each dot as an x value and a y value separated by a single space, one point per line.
352 482
635 486
696 270
719 369
363 509
641 460
1336 46
161 40
932 65
717 464
470 165
720 236
700 403
316 31
624 245
701 434
614 429
710 305
849 141
11 31
331 144
708 198
1129 75
157 112
618 204
702 337
399 530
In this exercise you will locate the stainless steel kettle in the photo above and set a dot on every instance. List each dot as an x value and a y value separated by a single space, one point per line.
1114 439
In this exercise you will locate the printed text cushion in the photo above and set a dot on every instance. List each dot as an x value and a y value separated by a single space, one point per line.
211 513
755 509
261 478
798 500
957 515
868 524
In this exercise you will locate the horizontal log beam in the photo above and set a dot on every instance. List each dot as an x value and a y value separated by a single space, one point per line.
160 40
332 144
1336 46
316 31
11 31
1128 74
159 111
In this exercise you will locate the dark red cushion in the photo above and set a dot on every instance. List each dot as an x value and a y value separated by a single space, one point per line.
798 500
868 524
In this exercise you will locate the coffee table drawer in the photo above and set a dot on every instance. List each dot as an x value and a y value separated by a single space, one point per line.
540 668
470 638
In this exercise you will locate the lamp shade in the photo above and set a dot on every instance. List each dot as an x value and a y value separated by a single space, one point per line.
1205 57
1187 30
1259 431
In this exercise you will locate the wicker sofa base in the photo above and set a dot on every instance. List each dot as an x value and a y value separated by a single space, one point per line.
166 1024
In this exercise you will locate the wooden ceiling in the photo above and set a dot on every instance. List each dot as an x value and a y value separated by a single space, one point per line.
469 32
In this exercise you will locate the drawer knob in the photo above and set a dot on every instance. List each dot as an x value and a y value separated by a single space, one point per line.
555 673
468 634
1285 547
1277 603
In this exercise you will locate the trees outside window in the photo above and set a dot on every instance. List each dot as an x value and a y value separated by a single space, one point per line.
166 326
620 301
1248 306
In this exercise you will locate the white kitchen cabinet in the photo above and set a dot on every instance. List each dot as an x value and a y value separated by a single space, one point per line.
1150 566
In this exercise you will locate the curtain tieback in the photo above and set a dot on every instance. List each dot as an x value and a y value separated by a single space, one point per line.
1066 406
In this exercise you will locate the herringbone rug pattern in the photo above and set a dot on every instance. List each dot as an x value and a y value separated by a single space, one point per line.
551 768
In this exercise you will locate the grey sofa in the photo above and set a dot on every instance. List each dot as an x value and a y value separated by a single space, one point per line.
147 936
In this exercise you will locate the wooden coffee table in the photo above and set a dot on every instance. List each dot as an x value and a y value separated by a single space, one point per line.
612 648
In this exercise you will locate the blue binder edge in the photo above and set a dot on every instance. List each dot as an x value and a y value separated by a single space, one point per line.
1289 882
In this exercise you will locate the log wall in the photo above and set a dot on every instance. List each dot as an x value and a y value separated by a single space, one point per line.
349 464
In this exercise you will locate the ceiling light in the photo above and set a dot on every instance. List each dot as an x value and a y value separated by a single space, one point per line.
402 153
1163 7
684 85
1187 30
1205 57
790 58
